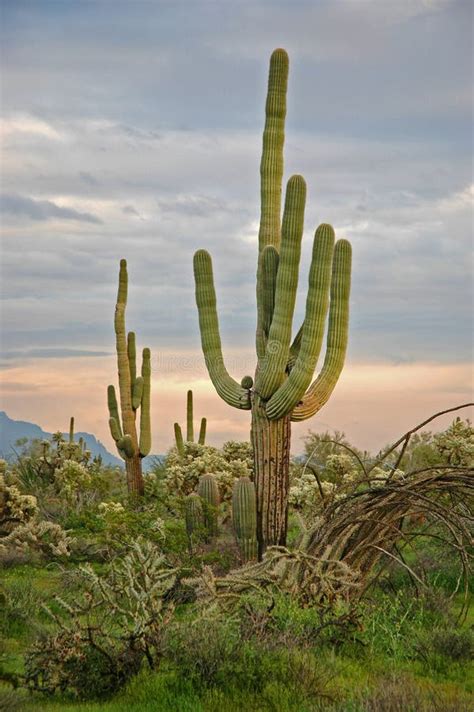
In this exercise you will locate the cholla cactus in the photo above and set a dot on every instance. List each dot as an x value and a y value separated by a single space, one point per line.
456 443
72 479
134 394
178 433
21 530
283 390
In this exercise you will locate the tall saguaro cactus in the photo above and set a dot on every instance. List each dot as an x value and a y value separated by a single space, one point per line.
134 394
178 433
283 390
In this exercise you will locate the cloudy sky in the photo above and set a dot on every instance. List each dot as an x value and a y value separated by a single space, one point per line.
133 129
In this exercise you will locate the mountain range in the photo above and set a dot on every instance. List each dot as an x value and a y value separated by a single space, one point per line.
13 430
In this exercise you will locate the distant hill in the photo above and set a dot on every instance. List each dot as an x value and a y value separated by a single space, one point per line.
13 430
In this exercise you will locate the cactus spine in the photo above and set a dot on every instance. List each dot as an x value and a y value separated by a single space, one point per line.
244 517
134 394
283 390
178 433
209 493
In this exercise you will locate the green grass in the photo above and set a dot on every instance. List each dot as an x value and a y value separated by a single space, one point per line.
386 645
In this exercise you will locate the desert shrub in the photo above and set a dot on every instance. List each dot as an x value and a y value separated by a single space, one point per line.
63 477
19 603
183 471
23 532
443 649
454 643
455 445
401 693
239 450
211 652
108 629
286 624
11 701
123 523
392 621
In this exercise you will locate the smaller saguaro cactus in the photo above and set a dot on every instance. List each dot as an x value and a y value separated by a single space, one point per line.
178 433
194 516
244 517
71 430
134 394
209 493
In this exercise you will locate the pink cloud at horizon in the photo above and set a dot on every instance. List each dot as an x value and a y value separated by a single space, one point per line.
374 403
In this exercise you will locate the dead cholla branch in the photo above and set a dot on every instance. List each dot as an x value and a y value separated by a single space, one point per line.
370 516
303 576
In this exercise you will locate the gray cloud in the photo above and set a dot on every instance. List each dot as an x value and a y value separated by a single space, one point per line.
42 209
152 113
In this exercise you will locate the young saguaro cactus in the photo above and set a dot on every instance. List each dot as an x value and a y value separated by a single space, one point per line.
284 389
178 433
209 493
244 517
134 394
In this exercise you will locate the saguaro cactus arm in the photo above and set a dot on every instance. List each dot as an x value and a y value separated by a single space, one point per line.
178 436
132 357
268 269
189 418
292 390
273 368
271 175
202 432
271 164
228 389
338 330
125 381
145 420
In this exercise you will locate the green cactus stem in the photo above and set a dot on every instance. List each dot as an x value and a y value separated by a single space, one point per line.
202 432
194 517
178 436
134 395
244 517
178 433
209 493
71 430
283 389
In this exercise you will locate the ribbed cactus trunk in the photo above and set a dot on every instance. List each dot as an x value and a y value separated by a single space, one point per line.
284 390
271 447
133 469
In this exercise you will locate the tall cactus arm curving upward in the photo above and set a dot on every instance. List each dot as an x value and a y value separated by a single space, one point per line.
228 389
338 331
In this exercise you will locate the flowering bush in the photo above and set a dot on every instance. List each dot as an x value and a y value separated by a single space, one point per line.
182 473
21 529
456 444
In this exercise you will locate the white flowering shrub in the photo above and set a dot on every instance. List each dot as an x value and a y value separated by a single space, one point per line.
72 479
124 524
456 444
21 529
182 473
